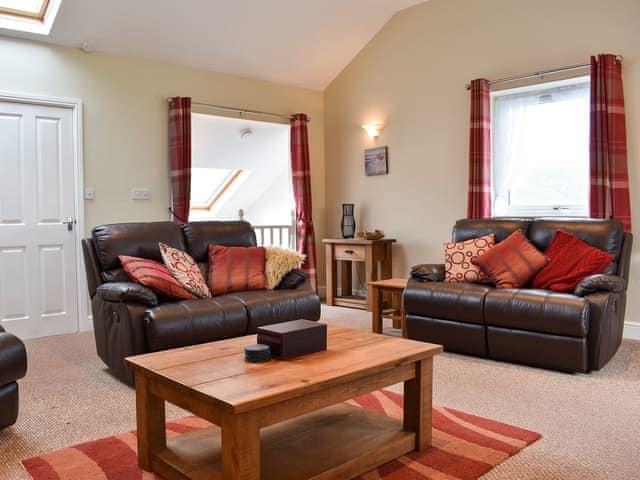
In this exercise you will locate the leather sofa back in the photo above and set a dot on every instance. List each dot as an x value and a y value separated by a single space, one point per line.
198 236
134 239
477 227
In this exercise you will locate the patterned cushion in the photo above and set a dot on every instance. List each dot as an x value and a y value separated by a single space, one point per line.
279 262
236 269
185 270
458 256
512 262
570 260
155 276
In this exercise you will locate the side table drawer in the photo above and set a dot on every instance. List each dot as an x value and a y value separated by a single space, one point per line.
349 252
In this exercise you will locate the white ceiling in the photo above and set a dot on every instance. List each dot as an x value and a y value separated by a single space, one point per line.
296 42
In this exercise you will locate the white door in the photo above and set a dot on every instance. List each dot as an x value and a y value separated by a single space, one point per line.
38 284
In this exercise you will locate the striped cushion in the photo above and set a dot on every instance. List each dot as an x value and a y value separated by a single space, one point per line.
155 276
512 262
236 269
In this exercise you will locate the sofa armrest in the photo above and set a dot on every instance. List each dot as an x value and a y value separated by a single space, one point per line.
293 280
13 358
127 292
599 283
428 272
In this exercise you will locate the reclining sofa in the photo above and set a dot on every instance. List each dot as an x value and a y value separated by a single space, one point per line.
130 319
573 332
13 367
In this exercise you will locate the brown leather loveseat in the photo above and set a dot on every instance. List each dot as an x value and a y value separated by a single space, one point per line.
574 332
130 319
13 367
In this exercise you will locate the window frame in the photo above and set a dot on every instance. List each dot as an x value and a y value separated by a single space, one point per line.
25 21
560 210
27 14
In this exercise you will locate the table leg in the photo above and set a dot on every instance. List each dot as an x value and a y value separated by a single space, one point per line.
346 278
150 417
418 404
241 447
396 301
330 274
376 309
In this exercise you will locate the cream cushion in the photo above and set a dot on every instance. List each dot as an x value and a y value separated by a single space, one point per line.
279 262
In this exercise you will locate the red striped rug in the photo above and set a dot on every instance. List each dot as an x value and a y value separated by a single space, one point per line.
464 447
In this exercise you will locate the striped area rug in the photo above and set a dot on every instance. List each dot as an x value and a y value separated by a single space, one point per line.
464 447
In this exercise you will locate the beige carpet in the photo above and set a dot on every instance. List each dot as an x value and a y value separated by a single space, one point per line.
590 423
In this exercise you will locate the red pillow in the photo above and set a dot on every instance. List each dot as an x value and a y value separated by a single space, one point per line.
570 260
512 262
155 276
236 269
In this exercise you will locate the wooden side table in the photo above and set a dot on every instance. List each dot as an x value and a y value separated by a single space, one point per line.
394 309
349 250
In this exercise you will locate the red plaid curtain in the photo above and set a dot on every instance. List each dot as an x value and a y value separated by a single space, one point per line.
301 175
180 157
479 194
609 196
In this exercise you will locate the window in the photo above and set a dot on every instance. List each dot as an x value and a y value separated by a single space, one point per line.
541 149
33 16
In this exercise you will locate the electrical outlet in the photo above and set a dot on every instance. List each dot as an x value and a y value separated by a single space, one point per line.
89 193
141 194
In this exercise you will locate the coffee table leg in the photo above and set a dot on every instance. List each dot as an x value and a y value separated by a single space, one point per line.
418 404
151 422
241 447
376 310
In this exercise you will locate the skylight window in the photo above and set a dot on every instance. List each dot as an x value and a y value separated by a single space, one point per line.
32 16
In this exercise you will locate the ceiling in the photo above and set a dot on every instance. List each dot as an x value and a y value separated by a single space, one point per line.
296 42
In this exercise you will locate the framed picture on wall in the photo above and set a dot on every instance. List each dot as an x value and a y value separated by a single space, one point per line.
375 161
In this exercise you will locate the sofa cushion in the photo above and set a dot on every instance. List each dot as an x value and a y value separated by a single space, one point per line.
537 311
477 227
134 240
185 271
458 255
603 234
190 322
512 262
265 307
570 260
235 269
199 235
462 302
279 262
155 276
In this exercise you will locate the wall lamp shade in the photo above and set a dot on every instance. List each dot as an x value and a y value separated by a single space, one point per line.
373 129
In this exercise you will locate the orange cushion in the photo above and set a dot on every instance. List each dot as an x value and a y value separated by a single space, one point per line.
155 276
458 256
570 260
512 262
236 269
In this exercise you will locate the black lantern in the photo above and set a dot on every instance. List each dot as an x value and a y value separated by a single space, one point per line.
348 223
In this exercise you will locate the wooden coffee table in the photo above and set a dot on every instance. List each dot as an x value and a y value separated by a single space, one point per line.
391 306
282 419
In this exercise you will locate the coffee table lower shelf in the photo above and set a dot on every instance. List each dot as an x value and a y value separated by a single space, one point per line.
338 442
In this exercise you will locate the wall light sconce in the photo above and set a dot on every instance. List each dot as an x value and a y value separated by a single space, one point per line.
373 129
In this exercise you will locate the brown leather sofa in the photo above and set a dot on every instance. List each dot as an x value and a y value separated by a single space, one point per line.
574 332
13 367
130 319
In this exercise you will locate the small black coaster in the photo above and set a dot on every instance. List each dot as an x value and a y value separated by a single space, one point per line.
257 353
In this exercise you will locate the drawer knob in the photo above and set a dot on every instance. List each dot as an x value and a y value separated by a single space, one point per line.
350 252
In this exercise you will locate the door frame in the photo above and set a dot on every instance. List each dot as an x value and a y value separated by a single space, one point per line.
75 106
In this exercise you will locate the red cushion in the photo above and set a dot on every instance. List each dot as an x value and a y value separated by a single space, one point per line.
512 262
570 260
155 276
236 269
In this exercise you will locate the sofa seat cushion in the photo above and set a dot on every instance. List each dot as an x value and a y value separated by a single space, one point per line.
540 311
266 307
462 302
190 322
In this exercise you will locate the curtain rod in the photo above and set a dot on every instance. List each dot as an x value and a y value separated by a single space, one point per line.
619 58
240 110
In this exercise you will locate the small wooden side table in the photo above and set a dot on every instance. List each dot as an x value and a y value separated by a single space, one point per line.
395 310
349 250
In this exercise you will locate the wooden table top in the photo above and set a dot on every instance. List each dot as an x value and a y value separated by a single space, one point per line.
357 241
217 373
398 283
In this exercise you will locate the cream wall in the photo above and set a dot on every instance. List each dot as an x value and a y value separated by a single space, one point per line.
125 118
411 77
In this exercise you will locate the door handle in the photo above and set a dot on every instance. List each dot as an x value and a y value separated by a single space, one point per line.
69 222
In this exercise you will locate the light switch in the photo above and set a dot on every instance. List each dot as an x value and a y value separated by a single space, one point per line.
141 194
89 193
